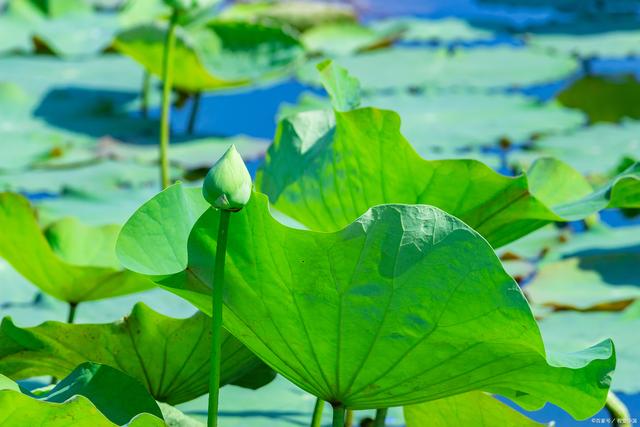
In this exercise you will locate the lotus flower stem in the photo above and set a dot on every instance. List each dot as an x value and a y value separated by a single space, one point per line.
146 88
73 306
316 420
194 113
167 84
381 416
618 410
216 318
338 416
348 419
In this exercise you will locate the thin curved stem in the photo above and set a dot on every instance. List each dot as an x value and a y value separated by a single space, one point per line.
348 418
381 416
216 318
316 420
338 416
618 410
193 117
167 85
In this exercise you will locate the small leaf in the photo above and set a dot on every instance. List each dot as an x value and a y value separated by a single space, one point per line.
343 89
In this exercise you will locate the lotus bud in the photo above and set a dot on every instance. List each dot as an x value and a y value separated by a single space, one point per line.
227 185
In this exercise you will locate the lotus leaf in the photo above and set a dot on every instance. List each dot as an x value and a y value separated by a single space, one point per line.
569 331
447 30
92 395
346 38
336 171
366 282
400 68
613 44
217 55
170 357
69 261
472 408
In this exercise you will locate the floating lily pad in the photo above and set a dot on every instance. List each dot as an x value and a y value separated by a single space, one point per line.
217 55
569 331
613 44
604 99
69 261
446 30
483 67
301 15
474 408
170 357
594 150
594 270
374 352
347 38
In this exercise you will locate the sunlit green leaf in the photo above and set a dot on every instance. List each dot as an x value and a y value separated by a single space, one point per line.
92 395
58 260
473 408
356 300
335 171
170 357
347 38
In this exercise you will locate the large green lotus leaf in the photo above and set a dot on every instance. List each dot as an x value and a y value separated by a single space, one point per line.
335 172
92 395
569 331
170 357
346 38
432 119
482 67
474 408
583 148
66 266
92 178
217 55
446 30
604 99
378 321
590 273
301 15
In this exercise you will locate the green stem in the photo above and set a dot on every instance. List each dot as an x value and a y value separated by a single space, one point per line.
216 318
194 113
167 84
381 416
146 88
73 306
348 419
619 412
316 420
338 416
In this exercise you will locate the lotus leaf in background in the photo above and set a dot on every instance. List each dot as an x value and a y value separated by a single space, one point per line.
447 31
401 68
431 120
570 331
217 55
473 408
584 150
604 99
335 171
301 15
589 272
347 38
92 395
69 260
170 357
611 44
401 285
